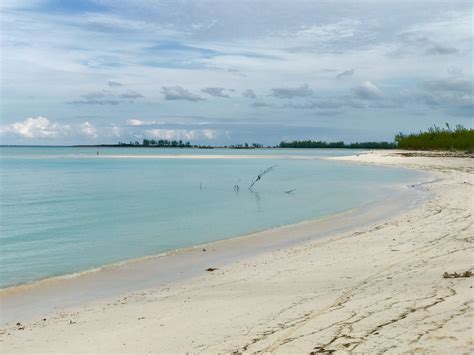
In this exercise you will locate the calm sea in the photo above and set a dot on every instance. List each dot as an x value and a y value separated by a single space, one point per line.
65 210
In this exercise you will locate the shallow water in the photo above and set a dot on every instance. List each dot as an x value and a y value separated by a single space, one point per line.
65 210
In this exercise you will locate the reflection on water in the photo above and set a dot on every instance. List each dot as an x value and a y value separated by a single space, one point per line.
258 200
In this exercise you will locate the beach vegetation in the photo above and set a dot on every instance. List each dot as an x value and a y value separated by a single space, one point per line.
438 138
434 138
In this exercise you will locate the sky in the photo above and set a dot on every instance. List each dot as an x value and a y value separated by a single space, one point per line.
227 72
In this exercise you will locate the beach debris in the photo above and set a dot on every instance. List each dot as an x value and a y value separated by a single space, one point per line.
455 275
18 324
211 269
203 249
140 318
72 322
321 350
290 191
260 174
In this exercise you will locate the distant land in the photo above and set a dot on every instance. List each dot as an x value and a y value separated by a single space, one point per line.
434 138
147 143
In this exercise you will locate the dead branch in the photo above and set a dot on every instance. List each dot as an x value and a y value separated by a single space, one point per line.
260 174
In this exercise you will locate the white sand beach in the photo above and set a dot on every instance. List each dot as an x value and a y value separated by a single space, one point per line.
374 289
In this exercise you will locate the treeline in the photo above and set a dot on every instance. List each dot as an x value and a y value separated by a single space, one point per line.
157 143
162 143
321 144
437 138
245 146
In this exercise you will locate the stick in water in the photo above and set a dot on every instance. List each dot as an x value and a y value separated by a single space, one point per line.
259 176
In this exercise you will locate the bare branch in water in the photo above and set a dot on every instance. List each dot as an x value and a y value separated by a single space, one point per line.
260 174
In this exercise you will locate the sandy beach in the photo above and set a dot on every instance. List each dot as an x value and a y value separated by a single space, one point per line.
377 288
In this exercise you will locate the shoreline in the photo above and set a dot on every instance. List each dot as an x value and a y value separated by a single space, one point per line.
21 302
330 293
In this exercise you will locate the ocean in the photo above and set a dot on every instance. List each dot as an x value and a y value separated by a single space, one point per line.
65 209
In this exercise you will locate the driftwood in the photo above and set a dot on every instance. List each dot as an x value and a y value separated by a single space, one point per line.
455 275
259 176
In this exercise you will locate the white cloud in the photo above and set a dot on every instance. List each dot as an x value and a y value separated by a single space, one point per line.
329 32
43 128
88 130
453 27
178 134
137 123
134 122
39 127
208 133
115 131
118 22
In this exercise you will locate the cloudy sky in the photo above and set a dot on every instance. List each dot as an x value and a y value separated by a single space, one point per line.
222 72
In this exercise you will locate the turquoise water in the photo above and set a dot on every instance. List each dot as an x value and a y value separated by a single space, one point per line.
66 210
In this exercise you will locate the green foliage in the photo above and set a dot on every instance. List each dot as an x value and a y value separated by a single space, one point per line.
162 143
321 144
246 146
437 138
